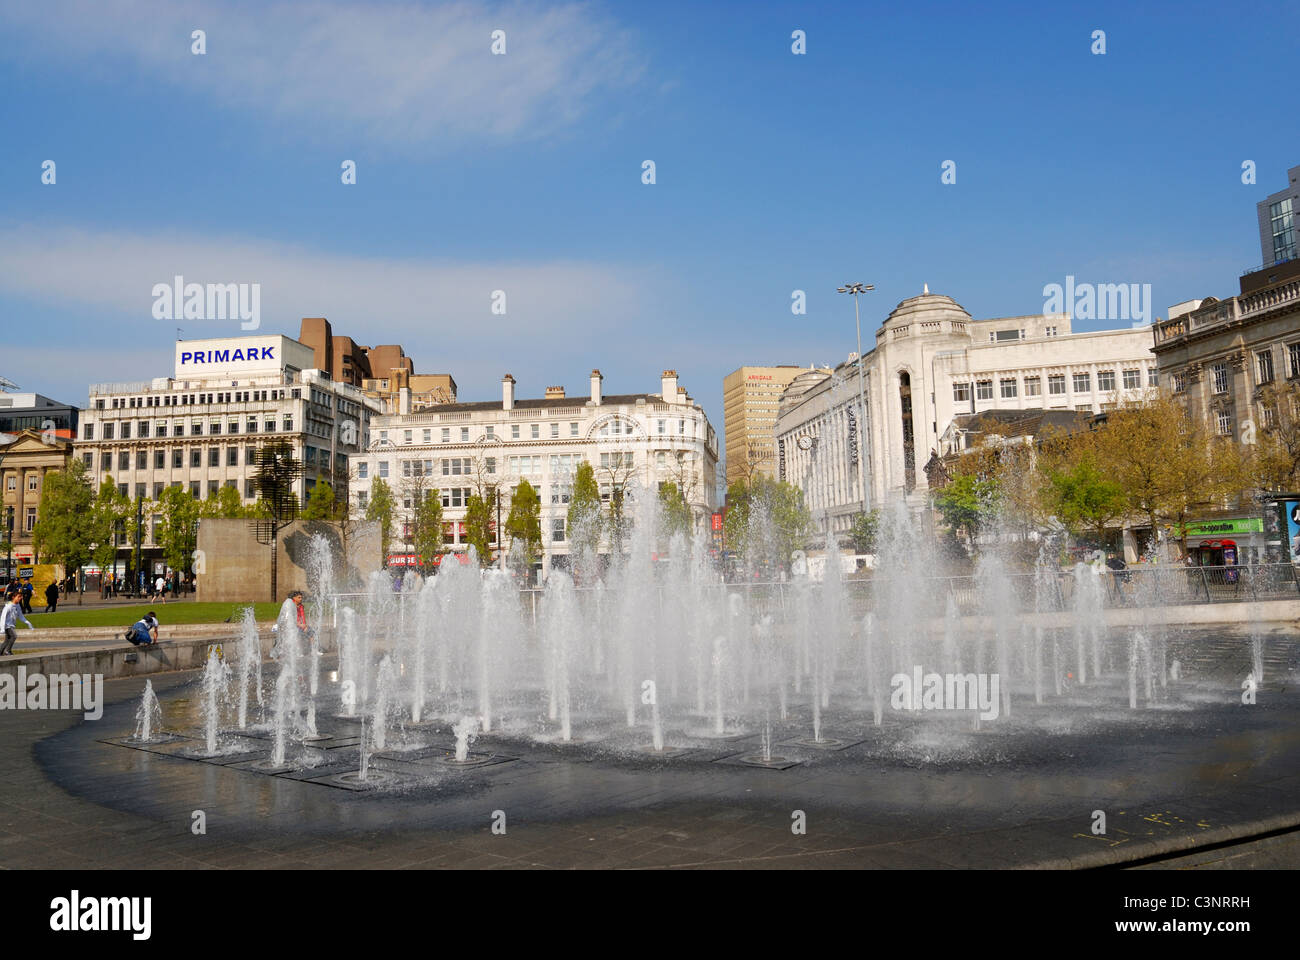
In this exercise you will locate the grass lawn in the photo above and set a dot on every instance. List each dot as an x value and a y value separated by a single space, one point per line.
167 614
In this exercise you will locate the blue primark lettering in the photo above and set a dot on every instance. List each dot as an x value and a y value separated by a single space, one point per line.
186 357
267 354
220 356
237 355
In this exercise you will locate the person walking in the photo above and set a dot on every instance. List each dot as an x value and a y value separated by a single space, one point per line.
9 617
27 590
52 597
160 588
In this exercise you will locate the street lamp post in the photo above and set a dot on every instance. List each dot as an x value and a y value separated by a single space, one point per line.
857 289
9 543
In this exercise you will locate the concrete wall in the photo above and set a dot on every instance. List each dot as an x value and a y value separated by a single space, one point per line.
236 568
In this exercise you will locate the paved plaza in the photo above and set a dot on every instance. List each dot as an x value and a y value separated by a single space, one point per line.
1181 784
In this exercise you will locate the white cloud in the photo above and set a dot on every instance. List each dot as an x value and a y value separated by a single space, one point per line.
427 305
384 71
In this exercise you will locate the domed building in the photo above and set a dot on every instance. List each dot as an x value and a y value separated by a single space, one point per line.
932 362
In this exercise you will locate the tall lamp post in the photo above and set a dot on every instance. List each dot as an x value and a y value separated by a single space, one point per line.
9 543
857 289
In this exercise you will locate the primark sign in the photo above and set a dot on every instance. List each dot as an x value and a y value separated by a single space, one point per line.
238 356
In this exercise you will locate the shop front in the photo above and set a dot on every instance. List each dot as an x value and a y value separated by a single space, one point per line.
1227 542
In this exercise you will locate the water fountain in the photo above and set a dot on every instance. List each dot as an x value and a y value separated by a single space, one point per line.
148 717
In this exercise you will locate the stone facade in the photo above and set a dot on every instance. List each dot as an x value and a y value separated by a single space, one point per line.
26 459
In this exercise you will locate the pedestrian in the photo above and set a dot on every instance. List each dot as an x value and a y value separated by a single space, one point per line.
160 588
9 617
52 597
27 595
291 625
144 631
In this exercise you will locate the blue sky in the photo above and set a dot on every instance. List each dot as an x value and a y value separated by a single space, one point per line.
522 172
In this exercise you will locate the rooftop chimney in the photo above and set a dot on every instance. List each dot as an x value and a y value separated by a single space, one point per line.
507 392
669 383
554 393
596 377
404 401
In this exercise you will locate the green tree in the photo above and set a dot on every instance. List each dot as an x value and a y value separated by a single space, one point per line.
863 533
524 524
426 527
1083 498
966 502
61 533
380 509
479 512
226 505
583 524
321 503
674 513
766 520
177 529
107 516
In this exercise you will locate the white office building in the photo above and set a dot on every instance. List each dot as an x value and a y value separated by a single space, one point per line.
932 362
200 428
634 442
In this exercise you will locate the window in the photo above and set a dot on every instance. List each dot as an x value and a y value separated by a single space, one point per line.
1293 353
108 431
142 460
491 434
269 426
1049 331
142 428
464 434
536 430
514 431
88 459
214 427
1056 383
616 460
31 481
1153 377
362 497
455 496
383 468
573 428
1132 379
194 489
1219 378
1008 388
1003 335
1264 361
88 429
446 434
1082 382
1224 420
250 456
983 389
525 466
960 394
232 456
124 460
557 529
250 489
456 466
363 470
250 426
1267 416
288 424
213 487
31 519
214 456
491 465
1282 225
232 426
106 461
555 430
1106 380
1180 383
158 491
1033 387
178 459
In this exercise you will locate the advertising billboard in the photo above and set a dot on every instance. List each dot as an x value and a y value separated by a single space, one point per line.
1291 510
